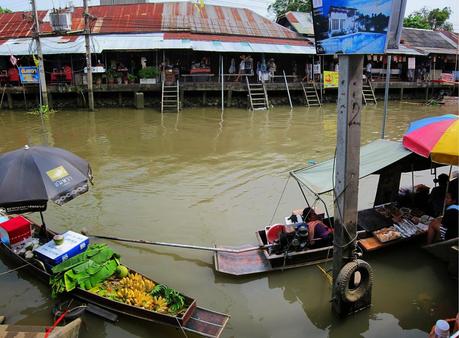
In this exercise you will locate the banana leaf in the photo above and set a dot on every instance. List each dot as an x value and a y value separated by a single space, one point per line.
85 270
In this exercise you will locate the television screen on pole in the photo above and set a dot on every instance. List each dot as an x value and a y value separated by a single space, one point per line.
357 26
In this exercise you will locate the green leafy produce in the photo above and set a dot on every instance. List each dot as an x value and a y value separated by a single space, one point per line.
85 270
175 301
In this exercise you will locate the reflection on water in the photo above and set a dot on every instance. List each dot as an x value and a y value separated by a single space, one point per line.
205 177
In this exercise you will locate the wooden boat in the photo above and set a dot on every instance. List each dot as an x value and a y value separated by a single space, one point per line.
446 251
198 320
317 179
71 330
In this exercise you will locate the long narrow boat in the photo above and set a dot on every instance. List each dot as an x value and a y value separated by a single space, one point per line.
388 159
198 320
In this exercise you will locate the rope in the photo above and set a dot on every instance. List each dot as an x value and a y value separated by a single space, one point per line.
7 272
49 330
327 275
280 199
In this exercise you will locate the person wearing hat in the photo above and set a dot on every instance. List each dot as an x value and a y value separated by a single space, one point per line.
437 195
446 227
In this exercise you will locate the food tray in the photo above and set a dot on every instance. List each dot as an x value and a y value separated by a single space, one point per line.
387 234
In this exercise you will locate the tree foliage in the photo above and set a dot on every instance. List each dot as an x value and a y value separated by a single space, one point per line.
280 7
429 19
4 10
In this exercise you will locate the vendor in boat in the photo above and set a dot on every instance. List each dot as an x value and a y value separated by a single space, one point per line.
320 235
437 195
446 227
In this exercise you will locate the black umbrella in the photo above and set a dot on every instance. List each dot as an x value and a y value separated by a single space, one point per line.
31 176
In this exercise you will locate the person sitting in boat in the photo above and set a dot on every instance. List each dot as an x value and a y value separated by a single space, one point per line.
437 195
320 235
446 227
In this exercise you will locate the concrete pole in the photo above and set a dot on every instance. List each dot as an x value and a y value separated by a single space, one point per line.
41 66
347 171
386 95
88 55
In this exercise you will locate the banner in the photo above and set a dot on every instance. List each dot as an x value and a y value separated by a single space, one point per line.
331 79
356 26
29 75
411 63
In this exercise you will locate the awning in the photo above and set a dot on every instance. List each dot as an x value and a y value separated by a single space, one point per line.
140 42
402 50
373 157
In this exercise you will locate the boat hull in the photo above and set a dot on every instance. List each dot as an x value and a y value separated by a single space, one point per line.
191 320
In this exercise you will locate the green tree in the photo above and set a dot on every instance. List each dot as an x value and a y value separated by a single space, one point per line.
280 7
429 19
4 10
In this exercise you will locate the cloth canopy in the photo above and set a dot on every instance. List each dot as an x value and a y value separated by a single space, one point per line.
373 157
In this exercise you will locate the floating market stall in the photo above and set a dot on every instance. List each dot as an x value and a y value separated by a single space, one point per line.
376 227
31 176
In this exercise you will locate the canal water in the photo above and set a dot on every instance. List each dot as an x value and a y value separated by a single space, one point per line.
204 177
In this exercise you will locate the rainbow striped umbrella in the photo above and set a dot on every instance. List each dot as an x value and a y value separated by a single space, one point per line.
437 137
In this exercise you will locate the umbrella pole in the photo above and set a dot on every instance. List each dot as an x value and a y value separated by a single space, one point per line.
43 225
447 188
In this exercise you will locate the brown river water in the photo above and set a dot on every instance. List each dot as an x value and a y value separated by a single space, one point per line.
204 177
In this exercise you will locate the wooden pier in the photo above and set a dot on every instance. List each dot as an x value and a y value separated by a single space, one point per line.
20 96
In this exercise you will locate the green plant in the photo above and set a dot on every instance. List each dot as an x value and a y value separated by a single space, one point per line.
111 73
131 77
149 73
43 110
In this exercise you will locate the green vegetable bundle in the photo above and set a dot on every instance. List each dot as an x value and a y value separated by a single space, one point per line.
85 270
175 301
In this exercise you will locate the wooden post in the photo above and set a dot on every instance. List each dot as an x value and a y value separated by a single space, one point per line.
41 66
229 98
401 93
88 55
386 95
347 174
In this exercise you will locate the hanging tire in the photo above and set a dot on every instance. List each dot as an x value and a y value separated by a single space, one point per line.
345 283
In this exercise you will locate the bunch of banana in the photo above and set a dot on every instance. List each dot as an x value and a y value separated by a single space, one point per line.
136 298
160 304
137 282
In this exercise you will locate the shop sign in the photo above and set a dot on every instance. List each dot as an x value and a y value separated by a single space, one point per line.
331 79
411 63
29 75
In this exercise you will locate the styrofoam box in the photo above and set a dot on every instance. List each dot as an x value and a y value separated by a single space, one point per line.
74 244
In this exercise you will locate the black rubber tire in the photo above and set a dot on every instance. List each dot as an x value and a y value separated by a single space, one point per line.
353 295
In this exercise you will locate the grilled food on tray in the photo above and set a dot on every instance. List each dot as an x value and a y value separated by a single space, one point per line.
387 234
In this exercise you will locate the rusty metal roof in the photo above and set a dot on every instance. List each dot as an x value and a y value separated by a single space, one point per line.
301 22
156 17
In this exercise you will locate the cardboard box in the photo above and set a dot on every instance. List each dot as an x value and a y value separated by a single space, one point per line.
52 254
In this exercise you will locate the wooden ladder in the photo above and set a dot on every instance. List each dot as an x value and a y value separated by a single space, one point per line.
170 97
257 95
368 94
311 95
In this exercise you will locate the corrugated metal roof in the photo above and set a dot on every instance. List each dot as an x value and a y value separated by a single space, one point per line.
302 22
404 51
157 17
423 38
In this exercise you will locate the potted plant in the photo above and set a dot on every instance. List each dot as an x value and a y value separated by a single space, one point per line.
131 78
148 75
111 76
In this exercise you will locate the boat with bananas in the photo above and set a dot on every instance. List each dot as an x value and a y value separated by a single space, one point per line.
122 290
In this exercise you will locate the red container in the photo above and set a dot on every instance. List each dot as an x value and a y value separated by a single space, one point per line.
18 229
